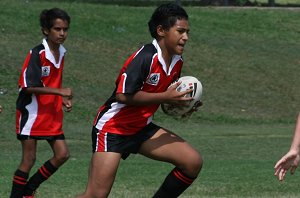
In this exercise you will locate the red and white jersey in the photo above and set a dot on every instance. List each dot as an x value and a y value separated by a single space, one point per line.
145 70
39 114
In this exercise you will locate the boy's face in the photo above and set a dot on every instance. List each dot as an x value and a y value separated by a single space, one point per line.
176 37
58 32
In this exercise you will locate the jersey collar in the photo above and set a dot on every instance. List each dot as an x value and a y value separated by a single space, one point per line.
175 58
50 56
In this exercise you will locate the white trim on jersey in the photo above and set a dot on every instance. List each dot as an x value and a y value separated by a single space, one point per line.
42 51
24 78
138 51
149 119
115 108
32 108
124 82
50 56
175 58
153 57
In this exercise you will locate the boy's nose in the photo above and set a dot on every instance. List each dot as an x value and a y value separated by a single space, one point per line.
62 32
185 36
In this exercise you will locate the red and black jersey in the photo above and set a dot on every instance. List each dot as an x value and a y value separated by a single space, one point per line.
144 70
40 114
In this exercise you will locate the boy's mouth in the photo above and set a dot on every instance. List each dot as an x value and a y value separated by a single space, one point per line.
181 45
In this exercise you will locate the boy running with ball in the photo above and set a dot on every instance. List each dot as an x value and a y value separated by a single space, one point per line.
124 124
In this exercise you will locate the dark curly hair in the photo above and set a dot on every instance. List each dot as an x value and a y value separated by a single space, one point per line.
47 17
166 15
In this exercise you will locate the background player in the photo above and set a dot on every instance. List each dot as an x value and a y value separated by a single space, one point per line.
124 124
291 159
39 105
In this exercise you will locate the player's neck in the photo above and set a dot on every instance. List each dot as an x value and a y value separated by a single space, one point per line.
167 57
54 48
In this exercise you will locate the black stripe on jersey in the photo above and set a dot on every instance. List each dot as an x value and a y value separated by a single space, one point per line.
138 69
107 105
22 101
34 70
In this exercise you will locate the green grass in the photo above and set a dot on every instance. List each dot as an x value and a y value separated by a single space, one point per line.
278 3
247 59
186 2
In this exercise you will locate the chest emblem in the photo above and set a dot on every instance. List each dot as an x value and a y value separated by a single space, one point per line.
153 79
45 71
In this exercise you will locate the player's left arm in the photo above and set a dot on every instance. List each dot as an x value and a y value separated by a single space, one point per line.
290 160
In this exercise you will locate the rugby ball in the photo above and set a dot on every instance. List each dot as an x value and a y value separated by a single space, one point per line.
187 82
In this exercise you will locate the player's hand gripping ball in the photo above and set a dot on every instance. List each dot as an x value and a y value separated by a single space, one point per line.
187 82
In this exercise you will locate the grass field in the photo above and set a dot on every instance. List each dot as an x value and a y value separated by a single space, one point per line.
247 59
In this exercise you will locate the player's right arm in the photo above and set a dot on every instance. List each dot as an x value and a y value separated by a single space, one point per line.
64 92
171 95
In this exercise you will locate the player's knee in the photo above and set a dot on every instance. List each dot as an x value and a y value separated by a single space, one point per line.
193 165
198 163
28 161
62 157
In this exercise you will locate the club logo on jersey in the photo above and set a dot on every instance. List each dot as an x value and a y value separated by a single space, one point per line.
153 79
45 71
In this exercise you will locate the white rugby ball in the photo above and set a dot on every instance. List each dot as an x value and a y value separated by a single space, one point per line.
187 82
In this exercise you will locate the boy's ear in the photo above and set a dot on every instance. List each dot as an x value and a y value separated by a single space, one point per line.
45 31
160 30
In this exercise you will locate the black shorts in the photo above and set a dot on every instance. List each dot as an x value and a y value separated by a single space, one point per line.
124 144
48 138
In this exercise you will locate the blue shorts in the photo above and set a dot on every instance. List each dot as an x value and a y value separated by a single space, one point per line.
124 144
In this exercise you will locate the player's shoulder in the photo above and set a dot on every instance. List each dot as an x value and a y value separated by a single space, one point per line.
148 50
145 54
37 49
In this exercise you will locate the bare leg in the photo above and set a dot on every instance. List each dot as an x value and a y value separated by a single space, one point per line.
60 156
60 151
28 155
168 147
22 173
102 174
